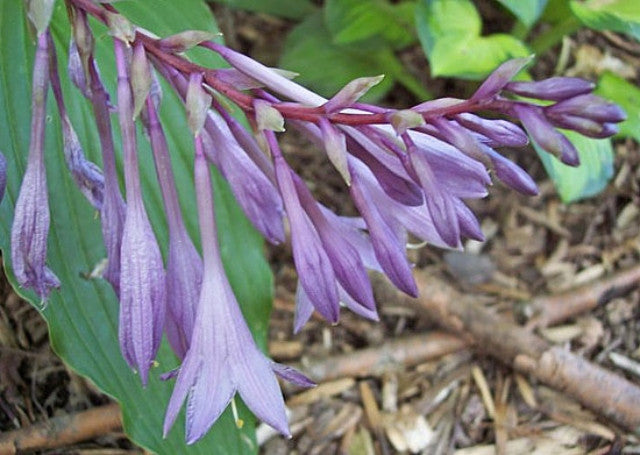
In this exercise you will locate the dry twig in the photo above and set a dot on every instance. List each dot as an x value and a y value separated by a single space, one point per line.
594 387
63 430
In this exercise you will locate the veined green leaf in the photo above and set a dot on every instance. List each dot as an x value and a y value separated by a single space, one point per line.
83 315
588 179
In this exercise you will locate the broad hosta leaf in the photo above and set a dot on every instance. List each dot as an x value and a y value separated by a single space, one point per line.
291 9
449 31
588 179
617 15
82 315
627 95
353 20
527 12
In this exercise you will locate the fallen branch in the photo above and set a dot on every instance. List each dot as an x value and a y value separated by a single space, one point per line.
594 387
376 360
552 309
63 430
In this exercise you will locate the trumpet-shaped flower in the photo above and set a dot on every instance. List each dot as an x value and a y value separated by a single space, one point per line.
223 358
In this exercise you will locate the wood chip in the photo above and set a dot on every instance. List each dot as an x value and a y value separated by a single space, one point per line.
408 430
563 440
526 391
481 382
361 443
562 333
625 363
324 390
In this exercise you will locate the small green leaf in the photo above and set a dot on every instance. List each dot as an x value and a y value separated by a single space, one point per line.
527 12
588 179
617 15
627 95
449 31
291 9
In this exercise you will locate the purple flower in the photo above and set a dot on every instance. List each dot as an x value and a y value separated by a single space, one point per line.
223 358
315 271
31 216
184 266
142 280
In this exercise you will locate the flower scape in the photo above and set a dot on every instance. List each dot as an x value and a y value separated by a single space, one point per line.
407 172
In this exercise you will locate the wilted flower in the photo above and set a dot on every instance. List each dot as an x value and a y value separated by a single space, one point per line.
31 217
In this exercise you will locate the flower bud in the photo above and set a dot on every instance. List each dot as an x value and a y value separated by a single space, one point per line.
351 92
183 41
497 80
554 88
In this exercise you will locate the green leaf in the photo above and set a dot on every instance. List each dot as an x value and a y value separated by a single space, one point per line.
82 316
436 19
353 20
588 179
627 95
617 15
474 58
527 12
326 67
449 31
291 9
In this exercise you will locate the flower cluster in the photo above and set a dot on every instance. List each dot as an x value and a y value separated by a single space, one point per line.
407 171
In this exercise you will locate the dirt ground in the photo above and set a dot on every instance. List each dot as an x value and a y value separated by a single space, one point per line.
461 400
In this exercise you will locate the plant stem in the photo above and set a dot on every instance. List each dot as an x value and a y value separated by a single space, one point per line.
554 35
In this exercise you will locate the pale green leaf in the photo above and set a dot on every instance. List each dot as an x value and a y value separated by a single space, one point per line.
586 180
627 95
449 31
